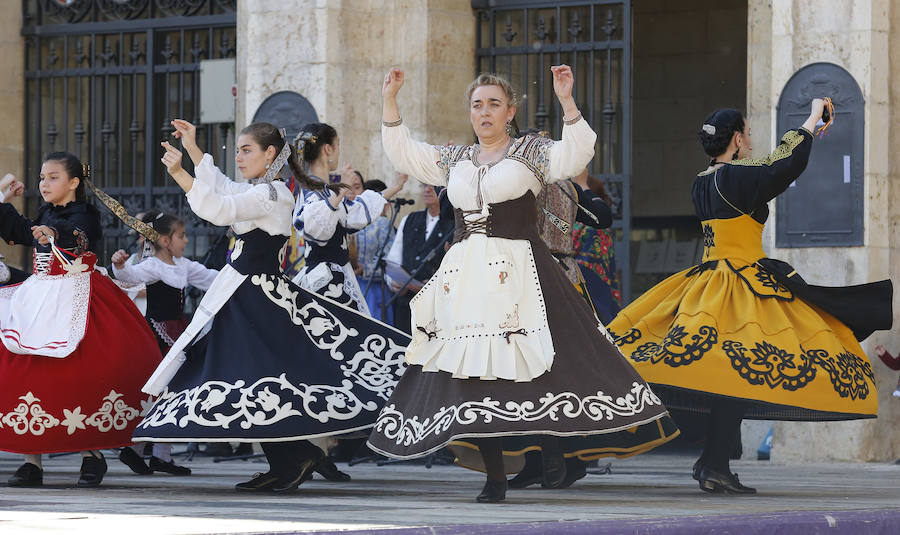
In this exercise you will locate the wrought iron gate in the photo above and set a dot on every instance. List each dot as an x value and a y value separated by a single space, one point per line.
103 80
521 39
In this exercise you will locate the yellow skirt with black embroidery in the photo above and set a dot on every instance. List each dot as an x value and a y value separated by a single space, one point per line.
728 329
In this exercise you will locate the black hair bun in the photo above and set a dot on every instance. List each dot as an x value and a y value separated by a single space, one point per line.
718 129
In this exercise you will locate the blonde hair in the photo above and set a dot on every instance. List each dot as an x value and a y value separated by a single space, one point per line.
489 78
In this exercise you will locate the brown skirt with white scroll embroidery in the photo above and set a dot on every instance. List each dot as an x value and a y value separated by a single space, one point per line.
592 397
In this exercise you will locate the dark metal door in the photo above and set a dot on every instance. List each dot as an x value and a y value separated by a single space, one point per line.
103 80
521 39
824 207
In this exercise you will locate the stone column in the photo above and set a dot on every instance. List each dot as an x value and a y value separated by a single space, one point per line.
336 53
785 35
12 109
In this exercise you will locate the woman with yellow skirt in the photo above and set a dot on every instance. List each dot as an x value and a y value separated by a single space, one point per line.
741 335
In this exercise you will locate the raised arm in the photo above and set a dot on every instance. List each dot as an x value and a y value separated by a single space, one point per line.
146 272
317 216
208 173
14 227
364 209
420 160
751 183
593 203
571 154
200 276
216 207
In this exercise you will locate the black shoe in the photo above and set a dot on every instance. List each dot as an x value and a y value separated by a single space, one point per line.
695 472
327 469
244 448
134 461
159 465
529 475
493 492
92 471
28 475
713 481
260 482
575 470
553 470
290 484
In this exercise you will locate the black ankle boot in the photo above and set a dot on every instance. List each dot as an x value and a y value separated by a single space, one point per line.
553 469
134 461
290 484
575 470
259 482
715 481
327 469
28 475
529 475
493 492
169 467
92 471
695 471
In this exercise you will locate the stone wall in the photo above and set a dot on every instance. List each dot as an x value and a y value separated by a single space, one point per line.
785 35
689 59
336 55
12 109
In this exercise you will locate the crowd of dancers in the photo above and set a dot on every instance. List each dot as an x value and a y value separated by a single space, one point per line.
508 349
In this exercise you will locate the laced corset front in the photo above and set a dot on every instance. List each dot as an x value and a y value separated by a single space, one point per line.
50 263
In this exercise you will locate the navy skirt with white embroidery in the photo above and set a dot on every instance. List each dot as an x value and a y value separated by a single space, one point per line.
279 363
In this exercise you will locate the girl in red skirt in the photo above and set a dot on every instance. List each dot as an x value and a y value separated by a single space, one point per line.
167 274
75 350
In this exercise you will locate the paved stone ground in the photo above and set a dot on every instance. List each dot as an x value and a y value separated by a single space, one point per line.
651 486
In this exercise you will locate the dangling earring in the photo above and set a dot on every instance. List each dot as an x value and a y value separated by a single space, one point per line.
268 165
330 160
509 127
735 155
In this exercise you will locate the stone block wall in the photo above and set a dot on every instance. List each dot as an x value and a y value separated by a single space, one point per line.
689 58
12 109
336 53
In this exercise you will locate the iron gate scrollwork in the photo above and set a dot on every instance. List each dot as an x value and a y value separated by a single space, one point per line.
521 39
104 78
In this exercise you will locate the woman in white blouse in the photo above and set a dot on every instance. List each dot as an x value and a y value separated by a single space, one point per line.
326 216
264 360
506 357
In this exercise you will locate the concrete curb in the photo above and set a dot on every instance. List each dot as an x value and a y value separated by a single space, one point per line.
858 522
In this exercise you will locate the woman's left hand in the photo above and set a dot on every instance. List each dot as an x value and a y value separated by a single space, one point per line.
563 81
42 234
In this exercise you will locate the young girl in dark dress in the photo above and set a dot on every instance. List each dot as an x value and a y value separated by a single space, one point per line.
167 275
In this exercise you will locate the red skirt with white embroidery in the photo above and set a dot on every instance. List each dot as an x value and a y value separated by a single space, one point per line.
89 399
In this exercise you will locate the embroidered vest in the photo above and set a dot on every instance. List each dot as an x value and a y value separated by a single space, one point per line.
556 216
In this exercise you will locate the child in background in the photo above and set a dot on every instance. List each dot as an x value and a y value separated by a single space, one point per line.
891 362
166 275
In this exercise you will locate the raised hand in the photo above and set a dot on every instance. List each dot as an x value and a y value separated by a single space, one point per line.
119 258
563 81
393 81
185 131
14 189
817 108
171 159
